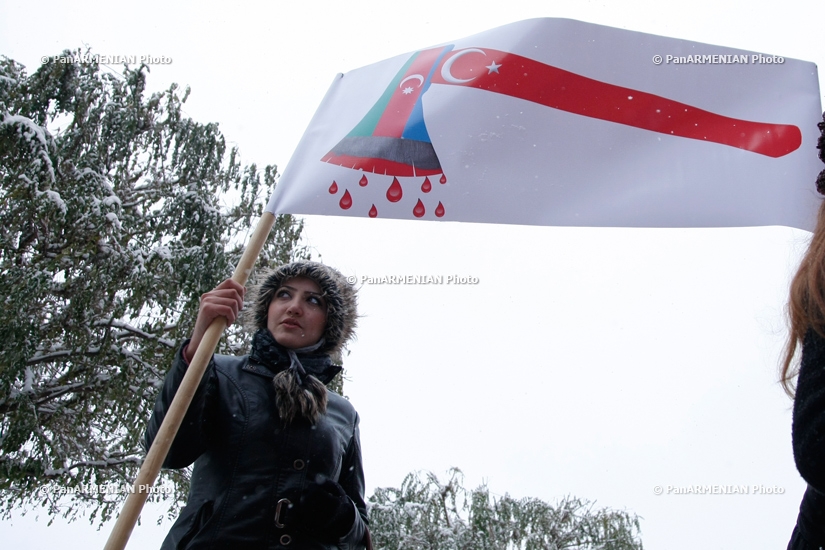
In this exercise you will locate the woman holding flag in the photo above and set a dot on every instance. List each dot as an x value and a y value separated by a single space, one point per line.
806 309
277 456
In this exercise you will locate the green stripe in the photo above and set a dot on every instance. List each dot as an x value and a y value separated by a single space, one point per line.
367 125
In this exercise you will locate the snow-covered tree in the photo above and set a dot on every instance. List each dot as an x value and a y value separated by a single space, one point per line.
116 213
426 514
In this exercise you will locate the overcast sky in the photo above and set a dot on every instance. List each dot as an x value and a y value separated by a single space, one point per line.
595 362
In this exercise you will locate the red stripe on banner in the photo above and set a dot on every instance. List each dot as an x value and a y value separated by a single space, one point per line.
395 115
525 78
379 166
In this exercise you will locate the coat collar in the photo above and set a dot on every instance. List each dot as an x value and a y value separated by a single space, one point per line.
268 358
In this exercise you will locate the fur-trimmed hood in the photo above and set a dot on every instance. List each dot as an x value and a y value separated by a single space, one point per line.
340 295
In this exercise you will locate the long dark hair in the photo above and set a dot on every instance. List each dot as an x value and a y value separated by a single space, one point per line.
806 305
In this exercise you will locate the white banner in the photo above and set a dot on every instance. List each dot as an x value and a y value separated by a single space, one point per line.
559 122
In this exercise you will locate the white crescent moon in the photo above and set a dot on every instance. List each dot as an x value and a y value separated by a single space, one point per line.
447 67
416 76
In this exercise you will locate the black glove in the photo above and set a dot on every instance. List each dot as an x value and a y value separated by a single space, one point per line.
325 511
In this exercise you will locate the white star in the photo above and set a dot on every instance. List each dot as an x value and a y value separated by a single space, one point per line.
493 68
407 91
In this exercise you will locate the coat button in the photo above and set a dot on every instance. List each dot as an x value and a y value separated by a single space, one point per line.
285 540
298 464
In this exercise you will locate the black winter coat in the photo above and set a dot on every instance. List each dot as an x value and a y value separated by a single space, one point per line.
809 444
246 461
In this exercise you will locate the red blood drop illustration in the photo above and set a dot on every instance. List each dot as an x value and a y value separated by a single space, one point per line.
426 186
439 210
363 182
346 201
419 210
333 188
373 212
394 193
443 179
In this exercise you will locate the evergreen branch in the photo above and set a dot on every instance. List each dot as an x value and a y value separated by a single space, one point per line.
63 354
129 329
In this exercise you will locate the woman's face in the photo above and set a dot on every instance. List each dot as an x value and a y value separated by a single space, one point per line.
297 315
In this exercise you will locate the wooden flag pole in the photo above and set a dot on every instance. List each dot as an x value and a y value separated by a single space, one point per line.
171 422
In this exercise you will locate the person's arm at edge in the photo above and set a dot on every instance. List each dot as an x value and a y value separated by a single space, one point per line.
808 431
352 481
